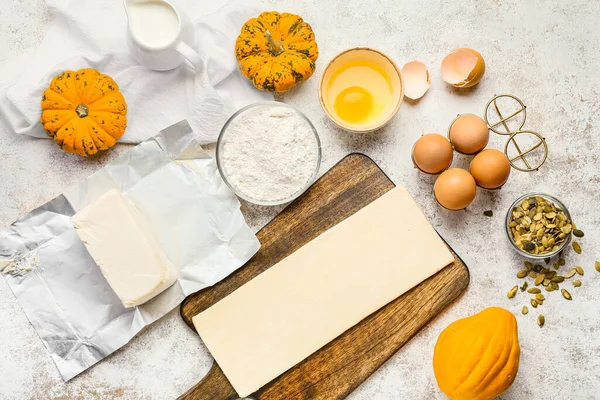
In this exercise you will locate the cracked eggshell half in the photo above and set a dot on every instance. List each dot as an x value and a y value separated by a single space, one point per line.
416 80
463 68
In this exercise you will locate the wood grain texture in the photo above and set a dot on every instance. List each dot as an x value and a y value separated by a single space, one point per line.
338 368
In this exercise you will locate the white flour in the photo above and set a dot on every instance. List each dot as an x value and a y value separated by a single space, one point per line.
270 153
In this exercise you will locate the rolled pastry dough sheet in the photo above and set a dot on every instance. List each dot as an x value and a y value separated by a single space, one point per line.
327 286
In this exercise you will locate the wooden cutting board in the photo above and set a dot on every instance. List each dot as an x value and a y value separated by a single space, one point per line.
339 367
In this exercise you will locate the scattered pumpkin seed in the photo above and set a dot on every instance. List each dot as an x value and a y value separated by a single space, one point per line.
558 279
566 294
550 289
554 285
533 274
540 278
547 260
528 265
579 270
539 297
534 290
576 247
525 310
512 292
488 213
534 303
522 274
577 283
597 266
538 268
561 262
541 320
525 285
556 266
578 233
570 273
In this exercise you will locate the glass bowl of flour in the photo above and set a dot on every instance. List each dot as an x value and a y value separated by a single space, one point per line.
268 153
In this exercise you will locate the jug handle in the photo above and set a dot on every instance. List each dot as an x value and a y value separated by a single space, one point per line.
190 55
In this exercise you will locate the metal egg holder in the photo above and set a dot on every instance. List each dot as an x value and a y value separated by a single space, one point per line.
503 122
494 127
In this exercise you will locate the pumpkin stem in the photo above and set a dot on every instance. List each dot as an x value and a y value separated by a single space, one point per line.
275 47
82 111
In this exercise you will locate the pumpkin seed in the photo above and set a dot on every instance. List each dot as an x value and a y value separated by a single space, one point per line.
576 247
556 266
529 247
566 294
525 310
570 273
561 262
547 260
512 292
539 297
533 274
534 303
578 233
522 274
540 278
488 213
597 265
554 285
550 289
558 279
546 282
538 268
577 283
528 265
541 320
579 270
524 286
550 274
534 290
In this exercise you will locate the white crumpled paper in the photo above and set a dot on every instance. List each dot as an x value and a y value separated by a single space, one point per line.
192 213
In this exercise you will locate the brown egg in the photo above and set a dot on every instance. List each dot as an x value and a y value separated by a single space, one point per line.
469 134
490 168
432 153
455 189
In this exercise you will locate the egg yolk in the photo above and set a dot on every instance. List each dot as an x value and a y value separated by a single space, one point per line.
354 104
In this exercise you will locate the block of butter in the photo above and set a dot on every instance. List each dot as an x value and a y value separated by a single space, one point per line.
131 260
330 284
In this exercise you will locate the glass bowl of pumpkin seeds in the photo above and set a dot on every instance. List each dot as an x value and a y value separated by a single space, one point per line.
538 225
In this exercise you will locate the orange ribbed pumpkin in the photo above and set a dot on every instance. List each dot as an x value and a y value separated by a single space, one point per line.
477 358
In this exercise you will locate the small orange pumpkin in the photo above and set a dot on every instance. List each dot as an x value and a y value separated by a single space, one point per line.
276 51
83 111
477 358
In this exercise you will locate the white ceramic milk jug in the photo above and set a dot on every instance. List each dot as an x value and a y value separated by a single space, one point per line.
159 35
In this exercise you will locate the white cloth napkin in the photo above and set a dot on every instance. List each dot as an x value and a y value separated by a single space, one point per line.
92 33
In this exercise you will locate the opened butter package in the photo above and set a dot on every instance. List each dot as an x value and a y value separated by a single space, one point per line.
95 265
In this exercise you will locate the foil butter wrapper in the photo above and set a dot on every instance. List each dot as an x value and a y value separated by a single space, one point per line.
192 213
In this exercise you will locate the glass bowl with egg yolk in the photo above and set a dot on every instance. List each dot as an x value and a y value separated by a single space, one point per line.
361 90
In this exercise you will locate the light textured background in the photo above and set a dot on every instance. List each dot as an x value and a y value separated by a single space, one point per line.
546 52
